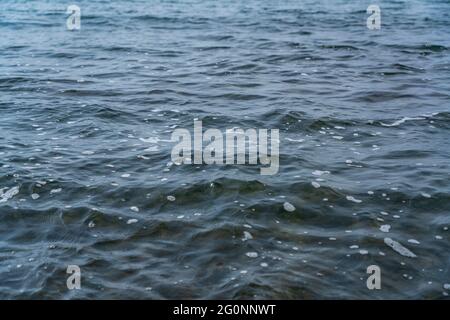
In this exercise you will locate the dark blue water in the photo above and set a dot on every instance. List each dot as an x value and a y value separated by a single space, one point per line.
86 121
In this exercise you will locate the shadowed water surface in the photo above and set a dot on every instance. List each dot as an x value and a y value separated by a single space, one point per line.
86 121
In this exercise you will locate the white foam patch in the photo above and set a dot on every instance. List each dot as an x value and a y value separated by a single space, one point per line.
353 199
288 207
252 254
150 140
247 236
58 190
294 140
8 194
399 248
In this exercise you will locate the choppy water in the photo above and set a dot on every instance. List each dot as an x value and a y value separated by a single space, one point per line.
86 119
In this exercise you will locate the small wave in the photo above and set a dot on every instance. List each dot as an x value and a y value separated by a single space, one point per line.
399 122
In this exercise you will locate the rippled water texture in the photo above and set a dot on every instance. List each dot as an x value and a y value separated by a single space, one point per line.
86 121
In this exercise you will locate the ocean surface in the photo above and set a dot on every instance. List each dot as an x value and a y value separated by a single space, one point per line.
86 176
